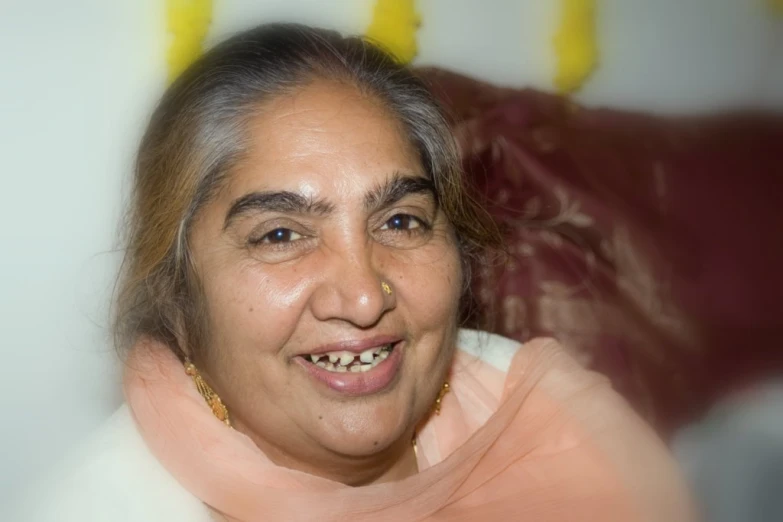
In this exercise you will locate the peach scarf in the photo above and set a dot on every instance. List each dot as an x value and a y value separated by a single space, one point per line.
548 441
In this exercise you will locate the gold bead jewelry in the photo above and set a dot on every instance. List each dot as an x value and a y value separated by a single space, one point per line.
213 401
443 391
386 287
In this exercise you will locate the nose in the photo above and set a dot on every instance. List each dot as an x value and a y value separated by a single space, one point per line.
351 289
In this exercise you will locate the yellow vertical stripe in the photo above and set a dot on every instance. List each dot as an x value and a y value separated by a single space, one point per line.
394 25
188 23
575 44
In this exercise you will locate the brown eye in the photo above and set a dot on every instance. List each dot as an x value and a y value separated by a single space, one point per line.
280 235
402 222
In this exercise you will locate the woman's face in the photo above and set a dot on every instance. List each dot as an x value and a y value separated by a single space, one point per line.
292 254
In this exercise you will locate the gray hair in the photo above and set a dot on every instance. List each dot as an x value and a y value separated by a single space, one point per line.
198 134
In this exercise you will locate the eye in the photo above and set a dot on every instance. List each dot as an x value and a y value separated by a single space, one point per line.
402 222
280 235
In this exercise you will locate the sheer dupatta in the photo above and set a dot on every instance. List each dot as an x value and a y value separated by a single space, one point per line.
546 441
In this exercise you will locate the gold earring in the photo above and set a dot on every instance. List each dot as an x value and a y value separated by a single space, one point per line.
386 287
443 391
213 401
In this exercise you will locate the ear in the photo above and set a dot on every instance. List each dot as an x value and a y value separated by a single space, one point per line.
182 347
189 314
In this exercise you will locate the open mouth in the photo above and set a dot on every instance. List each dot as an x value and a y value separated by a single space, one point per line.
356 373
342 361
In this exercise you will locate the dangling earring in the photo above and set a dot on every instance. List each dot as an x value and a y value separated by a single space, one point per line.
443 391
218 408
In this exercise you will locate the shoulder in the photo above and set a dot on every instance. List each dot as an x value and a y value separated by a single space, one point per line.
550 382
112 477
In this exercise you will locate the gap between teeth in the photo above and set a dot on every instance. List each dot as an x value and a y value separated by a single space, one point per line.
343 361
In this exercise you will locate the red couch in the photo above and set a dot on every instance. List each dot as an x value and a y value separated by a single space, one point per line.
651 247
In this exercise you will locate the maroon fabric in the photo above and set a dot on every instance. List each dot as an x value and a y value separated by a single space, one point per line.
651 247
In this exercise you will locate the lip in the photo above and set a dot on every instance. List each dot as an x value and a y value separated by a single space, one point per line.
356 384
354 345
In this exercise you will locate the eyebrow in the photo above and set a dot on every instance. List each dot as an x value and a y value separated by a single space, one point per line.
286 202
396 188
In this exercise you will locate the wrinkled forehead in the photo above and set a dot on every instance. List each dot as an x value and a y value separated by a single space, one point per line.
324 140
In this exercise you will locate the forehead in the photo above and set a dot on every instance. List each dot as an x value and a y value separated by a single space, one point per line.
323 138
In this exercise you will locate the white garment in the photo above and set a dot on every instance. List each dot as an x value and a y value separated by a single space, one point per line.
115 478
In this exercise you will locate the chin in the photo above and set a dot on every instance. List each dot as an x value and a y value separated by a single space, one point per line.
362 445
362 434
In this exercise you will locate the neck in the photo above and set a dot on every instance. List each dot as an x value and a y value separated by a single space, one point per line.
394 463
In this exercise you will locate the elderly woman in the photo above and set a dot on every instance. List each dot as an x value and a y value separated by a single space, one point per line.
298 258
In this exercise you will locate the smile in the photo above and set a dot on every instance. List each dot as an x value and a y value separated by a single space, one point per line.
350 362
369 371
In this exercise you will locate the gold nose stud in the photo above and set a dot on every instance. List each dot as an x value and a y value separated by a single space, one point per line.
386 287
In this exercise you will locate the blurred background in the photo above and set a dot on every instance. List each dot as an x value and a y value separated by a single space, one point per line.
643 208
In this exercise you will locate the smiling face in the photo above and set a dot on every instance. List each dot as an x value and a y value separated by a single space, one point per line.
330 203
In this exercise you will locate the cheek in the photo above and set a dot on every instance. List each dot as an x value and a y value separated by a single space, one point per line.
251 304
430 284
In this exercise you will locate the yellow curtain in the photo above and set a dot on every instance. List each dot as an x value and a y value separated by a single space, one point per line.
575 44
394 24
187 23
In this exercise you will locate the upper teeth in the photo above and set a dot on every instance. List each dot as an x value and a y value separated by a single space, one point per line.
339 361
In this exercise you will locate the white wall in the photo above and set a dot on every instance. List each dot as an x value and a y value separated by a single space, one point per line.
688 55
78 80
661 55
